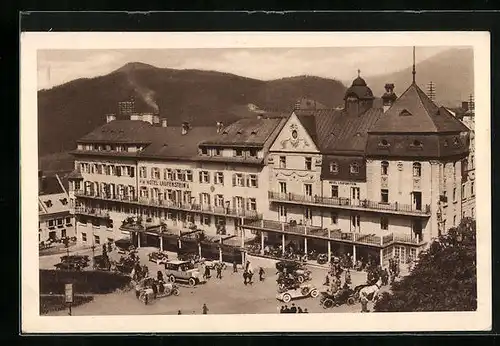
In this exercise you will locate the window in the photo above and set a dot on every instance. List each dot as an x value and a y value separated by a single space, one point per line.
416 143
308 189
354 168
252 153
384 143
454 194
92 168
68 220
308 163
205 198
282 211
385 167
282 187
384 196
308 214
334 218
238 153
84 236
282 161
132 172
99 169
472 188
238 179
355 220
206 220
454 220
204 151
463 214
119 171
252 204
335 191
238 202
189 175
142 172
219 200
97 239
204 177
181 175
64 201
216 152
472 161
111 170
384 223
334 167
155 173
51 223
219 178
252 180
417 169
472 213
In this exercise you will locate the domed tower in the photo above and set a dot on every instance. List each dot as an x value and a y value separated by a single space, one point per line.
359 97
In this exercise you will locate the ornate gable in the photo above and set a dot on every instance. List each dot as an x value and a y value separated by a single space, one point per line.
294 138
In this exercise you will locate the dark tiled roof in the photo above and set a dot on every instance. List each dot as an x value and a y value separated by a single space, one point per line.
246 132
49 186
413 111
120 131
76 174
169 142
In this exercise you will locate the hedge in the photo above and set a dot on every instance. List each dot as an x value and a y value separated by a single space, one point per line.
53 281
57 303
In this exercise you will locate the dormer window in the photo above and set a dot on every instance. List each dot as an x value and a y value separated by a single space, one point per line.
404 113
204 151
354 168
416 144
48 203
445 143
239 132
456 141
64 201
252 153
253 133
334 167
238 153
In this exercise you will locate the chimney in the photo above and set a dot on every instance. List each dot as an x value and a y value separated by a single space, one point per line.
156 119
259 116
110 117
220 126
164 122
389 97
185 127
465 105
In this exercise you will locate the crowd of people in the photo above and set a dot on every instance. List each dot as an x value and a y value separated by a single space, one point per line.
292 309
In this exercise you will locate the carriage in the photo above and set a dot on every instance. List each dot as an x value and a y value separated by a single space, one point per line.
145 293
343 296
303 291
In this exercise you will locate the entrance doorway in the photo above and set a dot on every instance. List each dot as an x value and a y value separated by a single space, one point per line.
417 200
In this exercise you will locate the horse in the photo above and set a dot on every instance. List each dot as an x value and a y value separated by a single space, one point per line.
369 294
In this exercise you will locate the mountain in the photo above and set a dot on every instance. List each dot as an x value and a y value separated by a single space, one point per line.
451 71
71 110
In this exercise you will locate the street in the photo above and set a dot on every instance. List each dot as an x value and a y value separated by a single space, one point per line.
222 296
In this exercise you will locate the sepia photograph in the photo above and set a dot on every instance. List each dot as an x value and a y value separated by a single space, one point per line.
250 176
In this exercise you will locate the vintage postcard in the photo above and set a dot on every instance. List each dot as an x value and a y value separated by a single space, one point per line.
220 182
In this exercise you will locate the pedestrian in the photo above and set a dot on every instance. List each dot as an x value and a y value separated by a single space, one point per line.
286 310
205 309
299 310
282 310
206 275
235 267
305 311
261 274
219 270
348 280
245 277
293 309
179 312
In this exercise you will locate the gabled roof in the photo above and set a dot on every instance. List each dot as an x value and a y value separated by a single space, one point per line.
119 131
54 203
415 112
253 132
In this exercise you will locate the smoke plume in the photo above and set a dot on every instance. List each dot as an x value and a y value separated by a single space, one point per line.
145 93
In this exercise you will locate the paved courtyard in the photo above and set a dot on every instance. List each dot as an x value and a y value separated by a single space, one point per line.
222 296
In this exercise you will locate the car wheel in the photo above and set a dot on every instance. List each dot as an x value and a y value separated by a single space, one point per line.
350 301
175 292
328 303
287 298
192 282
171 278
300 279
314 293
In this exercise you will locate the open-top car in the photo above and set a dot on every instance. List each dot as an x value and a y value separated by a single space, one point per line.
80 260
303 291
158 257
145 292
183 271
300 272
68 266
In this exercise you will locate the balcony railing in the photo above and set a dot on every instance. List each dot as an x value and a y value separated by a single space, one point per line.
92 212
200 208
336 234
348 203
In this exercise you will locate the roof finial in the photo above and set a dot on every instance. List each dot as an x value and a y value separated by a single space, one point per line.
414 72
359 72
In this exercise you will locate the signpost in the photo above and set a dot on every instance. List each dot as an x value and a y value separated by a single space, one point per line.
68 295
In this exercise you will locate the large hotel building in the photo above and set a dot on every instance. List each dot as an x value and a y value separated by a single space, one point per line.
377 178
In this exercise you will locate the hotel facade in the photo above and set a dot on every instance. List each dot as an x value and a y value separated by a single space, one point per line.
365 179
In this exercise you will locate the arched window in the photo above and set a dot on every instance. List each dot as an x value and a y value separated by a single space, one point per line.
385 167
354 168
417 169
334 167
417 143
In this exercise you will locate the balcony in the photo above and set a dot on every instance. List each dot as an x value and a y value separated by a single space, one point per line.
167 204
92 212
350 204
316 232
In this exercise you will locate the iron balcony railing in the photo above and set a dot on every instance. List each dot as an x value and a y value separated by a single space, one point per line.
336 234
348 203
92 212
168 204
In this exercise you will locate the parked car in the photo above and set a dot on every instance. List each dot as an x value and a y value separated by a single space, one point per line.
158 257
302 291
81 260
68 266
300 272
183 271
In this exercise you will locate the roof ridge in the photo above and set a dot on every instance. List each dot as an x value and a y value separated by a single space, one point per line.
419 92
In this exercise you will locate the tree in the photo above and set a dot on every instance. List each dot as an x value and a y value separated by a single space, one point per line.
444 279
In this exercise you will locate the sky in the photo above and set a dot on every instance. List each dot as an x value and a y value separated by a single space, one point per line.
56 67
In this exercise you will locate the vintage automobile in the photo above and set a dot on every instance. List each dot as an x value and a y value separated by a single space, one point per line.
300 272
342 296
212 265
303 291
101 263
158 257
68 266
81 261
183 271
145 293
124 245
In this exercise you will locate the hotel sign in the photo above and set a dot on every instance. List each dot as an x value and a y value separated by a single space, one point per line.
165 183
343 183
